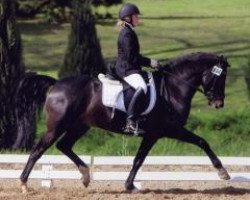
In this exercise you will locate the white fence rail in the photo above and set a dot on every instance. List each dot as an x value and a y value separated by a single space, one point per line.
170 160
45 159
48 173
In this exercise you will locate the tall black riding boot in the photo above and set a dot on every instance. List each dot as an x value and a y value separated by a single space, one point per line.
132 114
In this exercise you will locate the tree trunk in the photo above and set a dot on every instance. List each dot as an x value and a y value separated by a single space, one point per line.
11 69
83 55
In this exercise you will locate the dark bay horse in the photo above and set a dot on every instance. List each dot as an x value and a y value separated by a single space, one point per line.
74 104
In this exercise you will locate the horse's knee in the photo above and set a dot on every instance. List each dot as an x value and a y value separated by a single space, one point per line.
63 145
203 144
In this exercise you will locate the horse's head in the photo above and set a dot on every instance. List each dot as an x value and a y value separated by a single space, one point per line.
213 82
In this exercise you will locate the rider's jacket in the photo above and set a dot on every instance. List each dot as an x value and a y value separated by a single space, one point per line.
129 60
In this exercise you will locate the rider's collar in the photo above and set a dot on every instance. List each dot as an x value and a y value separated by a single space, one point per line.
130 25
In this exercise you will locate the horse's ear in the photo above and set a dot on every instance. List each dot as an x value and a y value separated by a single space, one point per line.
223 61
222 58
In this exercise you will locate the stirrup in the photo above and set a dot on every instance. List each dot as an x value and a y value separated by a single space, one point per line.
129 128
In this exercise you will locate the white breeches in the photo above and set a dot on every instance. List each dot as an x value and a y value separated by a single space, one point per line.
136 81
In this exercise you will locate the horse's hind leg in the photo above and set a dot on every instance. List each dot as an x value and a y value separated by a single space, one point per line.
187 136
44 143
65 145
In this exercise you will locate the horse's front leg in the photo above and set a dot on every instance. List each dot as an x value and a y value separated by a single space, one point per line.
187 136
146 145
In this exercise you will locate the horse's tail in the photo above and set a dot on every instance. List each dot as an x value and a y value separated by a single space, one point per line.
31 92
29 99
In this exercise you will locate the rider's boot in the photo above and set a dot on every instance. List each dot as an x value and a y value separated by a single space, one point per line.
132 114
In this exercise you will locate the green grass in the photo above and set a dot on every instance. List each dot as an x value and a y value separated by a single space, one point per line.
168 29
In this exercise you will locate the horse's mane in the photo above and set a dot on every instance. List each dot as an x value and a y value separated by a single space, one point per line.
192 61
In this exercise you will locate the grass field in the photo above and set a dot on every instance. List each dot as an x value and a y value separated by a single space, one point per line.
168 29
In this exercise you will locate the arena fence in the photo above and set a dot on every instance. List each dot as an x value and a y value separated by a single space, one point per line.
47 173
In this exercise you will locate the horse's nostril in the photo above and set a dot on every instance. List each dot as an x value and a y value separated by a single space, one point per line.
219 104
216 103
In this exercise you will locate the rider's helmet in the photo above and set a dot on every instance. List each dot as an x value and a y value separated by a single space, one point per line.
128 9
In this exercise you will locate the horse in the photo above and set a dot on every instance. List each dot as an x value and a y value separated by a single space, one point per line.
74 104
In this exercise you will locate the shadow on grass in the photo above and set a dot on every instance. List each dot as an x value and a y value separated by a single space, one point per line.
193 17
112 21
44 26
34 27
216 44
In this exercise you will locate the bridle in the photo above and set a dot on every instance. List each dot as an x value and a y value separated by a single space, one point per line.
217 71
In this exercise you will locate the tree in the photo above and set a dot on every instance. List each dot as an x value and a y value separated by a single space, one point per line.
29 8
54 10
83 55
11 70
106 2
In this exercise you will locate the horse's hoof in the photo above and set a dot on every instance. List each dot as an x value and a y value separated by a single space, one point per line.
85 175
24 188
132 189
135 190
223 174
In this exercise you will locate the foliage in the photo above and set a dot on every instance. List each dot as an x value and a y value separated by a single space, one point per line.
54 11
106 2
30 8
222 122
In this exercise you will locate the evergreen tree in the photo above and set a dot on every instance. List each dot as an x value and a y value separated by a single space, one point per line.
83 55
30 8
11 70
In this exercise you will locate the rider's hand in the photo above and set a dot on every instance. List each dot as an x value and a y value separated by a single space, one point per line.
155 64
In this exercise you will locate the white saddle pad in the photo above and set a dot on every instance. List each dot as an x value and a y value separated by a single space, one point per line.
112 95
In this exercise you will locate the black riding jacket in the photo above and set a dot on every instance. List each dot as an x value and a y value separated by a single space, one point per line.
129 60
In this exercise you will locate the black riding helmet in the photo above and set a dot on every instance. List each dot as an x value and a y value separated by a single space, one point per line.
128 9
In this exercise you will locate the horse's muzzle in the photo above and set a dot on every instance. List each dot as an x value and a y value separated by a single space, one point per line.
216 103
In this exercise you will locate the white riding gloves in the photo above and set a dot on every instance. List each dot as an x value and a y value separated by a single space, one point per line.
155 64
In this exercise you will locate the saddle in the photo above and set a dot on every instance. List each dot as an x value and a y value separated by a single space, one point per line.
115 94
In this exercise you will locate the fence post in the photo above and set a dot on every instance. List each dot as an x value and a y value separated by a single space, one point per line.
47 182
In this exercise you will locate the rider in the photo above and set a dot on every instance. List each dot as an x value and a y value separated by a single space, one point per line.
129 62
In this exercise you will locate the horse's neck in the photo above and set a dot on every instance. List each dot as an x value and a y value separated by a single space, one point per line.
182 89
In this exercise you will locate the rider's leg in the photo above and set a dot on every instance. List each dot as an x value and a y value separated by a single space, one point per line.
132 113
136 81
